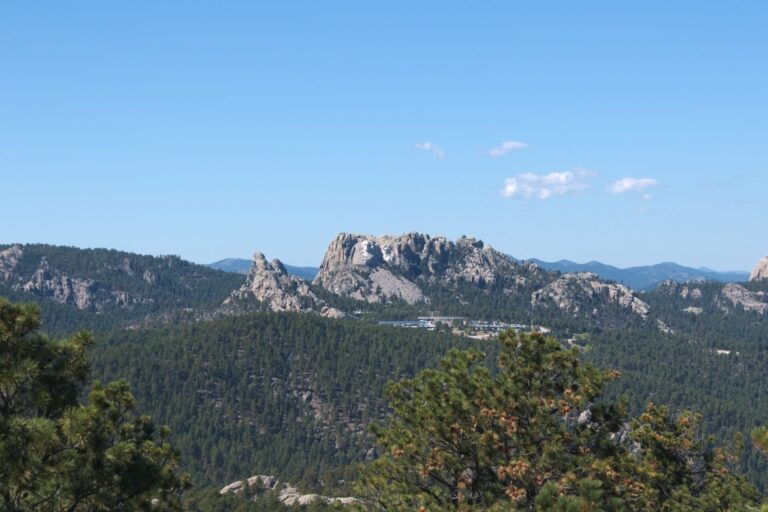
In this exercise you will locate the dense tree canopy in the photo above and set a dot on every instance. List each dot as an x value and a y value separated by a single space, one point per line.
536 436
284 394
57 454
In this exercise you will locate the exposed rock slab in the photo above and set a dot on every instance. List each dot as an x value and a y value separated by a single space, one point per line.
571 292
738 295
287 493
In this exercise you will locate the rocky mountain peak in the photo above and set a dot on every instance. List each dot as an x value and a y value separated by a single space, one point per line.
270 284
378 268
760 272
260 264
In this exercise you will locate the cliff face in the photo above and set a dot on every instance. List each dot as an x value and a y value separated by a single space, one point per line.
382 268
376 269
760 272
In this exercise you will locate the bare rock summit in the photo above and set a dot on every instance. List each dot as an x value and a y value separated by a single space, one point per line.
272 285
380 268
274 289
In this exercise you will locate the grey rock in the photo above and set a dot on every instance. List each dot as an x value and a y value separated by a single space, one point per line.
737 295
571 291
271 285
61 288
288 494
760 272
9 258
379 268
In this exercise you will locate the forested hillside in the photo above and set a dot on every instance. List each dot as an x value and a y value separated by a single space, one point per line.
103 288
726 387
292 394
284 394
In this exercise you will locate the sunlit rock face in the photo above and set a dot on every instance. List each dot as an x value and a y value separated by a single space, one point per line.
760 272
379 268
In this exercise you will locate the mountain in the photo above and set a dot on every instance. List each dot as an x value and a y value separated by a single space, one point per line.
102 288
644 277
466 275
291 393
269 287
242 266
385 277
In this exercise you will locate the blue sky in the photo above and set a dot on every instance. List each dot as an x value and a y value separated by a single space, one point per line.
214 129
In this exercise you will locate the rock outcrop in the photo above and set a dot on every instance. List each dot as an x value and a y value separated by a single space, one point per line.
9 258
760 272
60 287
270 284
288 494
572 292
737 295
410 266
109 281
380 268
683 290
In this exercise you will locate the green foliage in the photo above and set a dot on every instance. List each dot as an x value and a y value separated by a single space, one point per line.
283 394
684 371
760 439
126 288
57 454
535 436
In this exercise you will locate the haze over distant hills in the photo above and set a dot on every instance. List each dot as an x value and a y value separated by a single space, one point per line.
645 277
242 266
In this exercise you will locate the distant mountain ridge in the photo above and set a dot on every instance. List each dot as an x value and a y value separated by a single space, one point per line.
645 277
242 266
638 278
391 275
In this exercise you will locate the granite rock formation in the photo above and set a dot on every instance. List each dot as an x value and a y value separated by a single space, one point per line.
760 272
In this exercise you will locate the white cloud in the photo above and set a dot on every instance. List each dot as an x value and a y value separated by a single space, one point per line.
507 146
436 150
543 186
631 185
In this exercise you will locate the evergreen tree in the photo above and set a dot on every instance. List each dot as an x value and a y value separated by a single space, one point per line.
536 437
57 454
